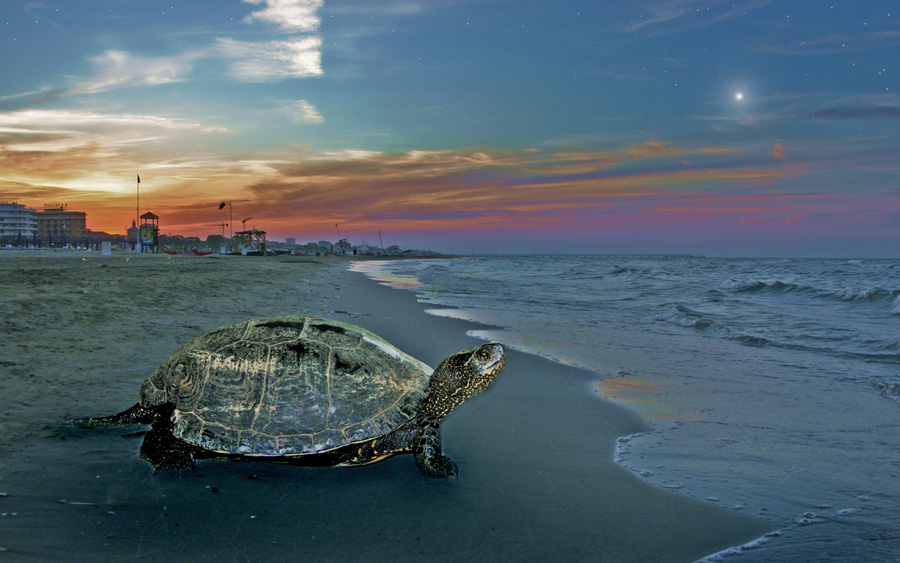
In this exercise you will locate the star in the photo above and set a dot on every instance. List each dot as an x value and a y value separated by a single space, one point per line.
739 96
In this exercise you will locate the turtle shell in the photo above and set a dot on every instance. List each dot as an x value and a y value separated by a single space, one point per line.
287 386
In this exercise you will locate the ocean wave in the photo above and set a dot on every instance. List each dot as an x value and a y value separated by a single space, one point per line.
888 390
882 351
772 287
751 340
681 315
619 270
750 286
870 294
590 272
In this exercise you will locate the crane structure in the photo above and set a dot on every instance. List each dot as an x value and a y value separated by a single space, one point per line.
222 225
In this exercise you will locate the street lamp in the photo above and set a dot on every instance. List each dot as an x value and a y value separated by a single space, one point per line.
230 216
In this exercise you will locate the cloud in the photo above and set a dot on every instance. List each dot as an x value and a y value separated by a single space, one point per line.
778 152
290 15
119 68
57 129
29 99
91 157
776 219
273 60
449 190
869 107
302 111
84 151
830 44
113 69
347 154
667 16
389 7
858 113
297 56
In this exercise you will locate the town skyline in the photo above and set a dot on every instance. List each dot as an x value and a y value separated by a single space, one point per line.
750 128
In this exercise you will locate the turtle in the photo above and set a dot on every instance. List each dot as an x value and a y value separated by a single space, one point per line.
306 390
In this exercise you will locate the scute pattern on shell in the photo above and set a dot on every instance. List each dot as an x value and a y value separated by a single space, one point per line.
287 386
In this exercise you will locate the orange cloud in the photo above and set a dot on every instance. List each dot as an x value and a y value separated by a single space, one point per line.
89 160
661 149
778 152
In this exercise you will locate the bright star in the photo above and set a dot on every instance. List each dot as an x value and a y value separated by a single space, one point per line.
739 96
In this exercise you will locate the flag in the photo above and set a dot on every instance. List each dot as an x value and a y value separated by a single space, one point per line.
139 178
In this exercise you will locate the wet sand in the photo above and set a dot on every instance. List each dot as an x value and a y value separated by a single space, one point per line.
537 482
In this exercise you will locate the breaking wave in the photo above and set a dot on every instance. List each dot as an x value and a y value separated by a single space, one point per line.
888 390
759 333
683 316
873 294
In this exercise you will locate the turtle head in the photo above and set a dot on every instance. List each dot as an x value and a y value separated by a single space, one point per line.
461 376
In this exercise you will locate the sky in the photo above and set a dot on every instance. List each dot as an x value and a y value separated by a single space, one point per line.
738 128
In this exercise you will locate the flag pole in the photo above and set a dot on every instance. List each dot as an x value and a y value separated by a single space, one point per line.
137 210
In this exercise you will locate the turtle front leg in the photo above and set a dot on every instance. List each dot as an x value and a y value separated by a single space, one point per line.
164 451
429 458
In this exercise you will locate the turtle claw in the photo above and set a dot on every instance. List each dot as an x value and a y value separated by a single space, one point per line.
429 458
178 464
166 452
433 464
441 467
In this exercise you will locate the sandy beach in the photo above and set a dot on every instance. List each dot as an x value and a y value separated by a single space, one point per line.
80 332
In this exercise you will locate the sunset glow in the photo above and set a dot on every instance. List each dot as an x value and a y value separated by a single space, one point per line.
446 125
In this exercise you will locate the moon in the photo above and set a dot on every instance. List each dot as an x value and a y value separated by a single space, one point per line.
739 96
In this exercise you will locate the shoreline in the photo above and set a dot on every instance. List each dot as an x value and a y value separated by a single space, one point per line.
546 377
537 476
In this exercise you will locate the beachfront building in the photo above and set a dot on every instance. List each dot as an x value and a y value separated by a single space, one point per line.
18 224
366 250
131 238
56 223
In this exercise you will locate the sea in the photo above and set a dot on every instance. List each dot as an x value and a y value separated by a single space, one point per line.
772 386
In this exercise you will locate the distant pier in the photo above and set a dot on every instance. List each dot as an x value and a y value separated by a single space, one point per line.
584 256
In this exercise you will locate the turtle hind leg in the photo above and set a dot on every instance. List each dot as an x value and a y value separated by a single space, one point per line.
429 458
137 414
164 451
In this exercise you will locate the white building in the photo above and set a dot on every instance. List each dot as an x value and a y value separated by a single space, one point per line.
16 221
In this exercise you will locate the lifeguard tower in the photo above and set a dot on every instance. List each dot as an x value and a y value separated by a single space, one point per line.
149 233
250 243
